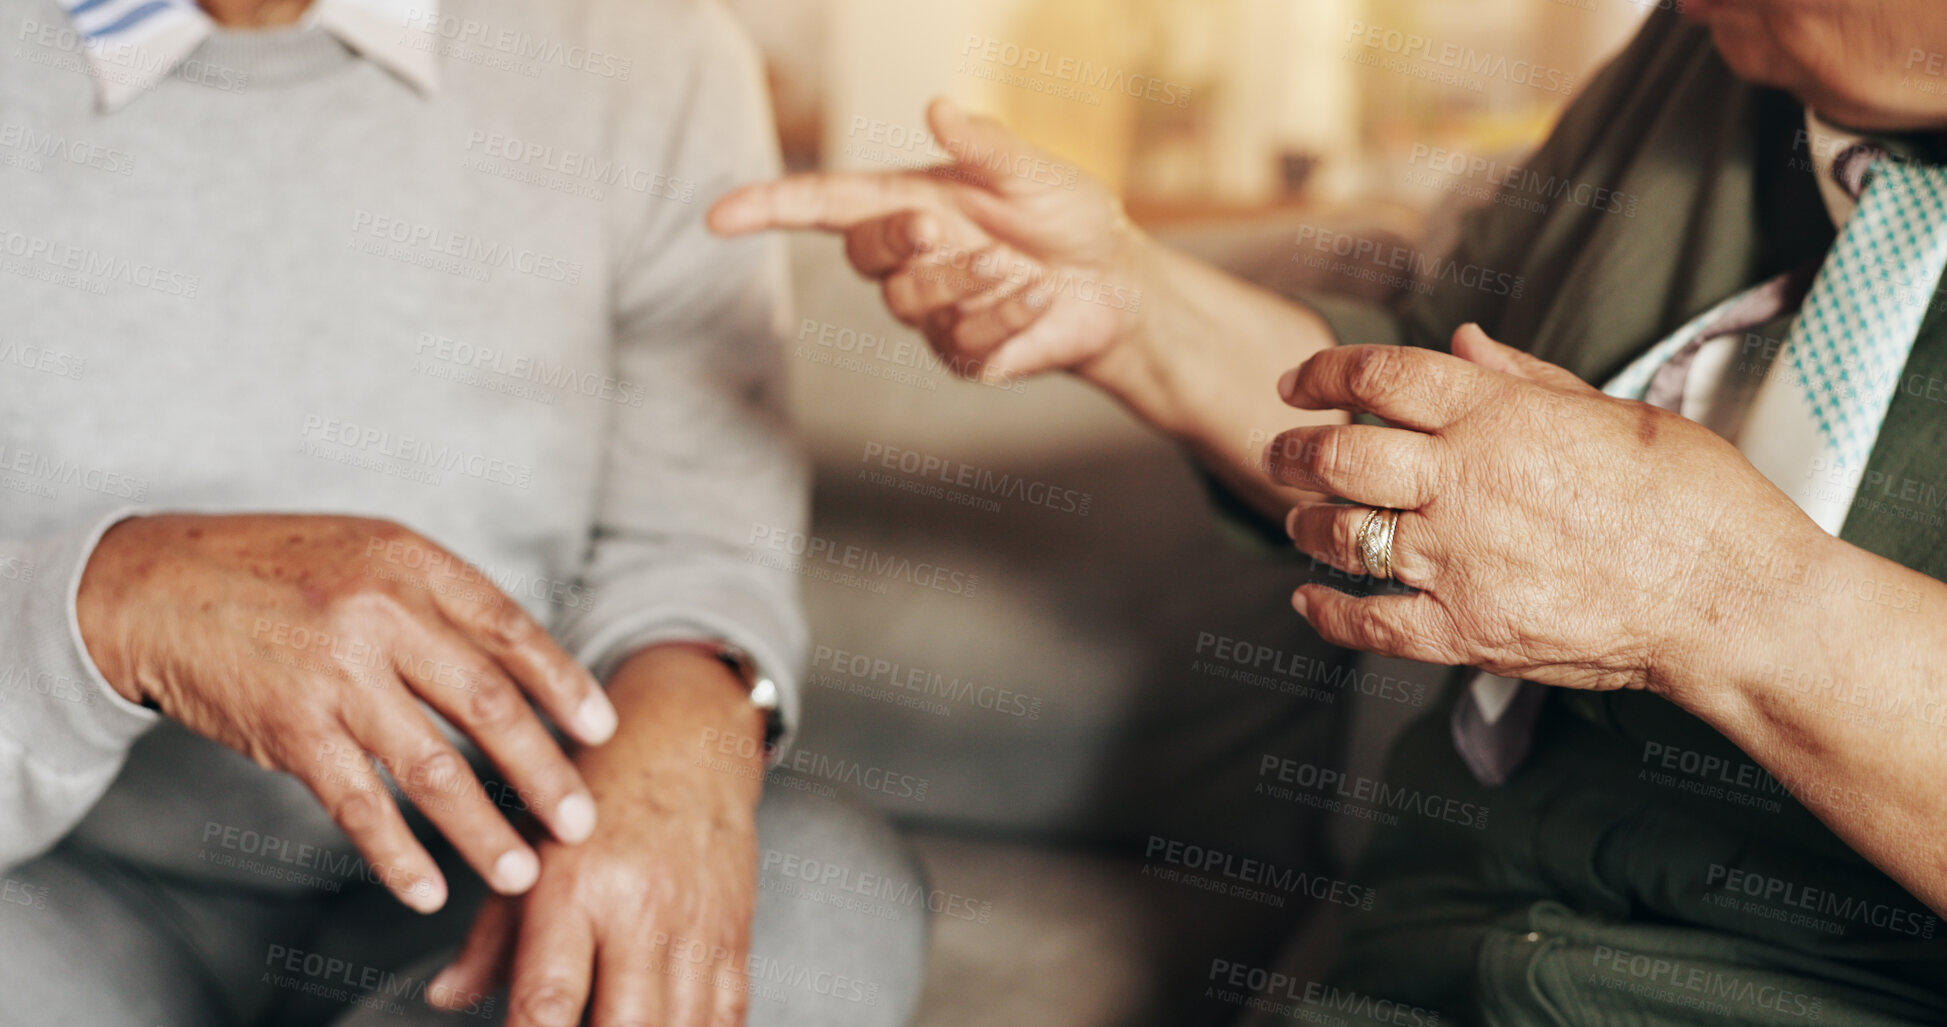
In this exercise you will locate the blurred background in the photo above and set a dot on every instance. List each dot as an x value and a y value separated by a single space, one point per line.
1059 671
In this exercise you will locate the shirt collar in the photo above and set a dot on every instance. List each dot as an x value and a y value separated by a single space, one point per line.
1827 143
131 45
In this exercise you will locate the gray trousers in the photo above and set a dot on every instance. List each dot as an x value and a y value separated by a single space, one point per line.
173 906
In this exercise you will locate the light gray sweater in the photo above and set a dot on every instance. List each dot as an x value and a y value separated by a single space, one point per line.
286 280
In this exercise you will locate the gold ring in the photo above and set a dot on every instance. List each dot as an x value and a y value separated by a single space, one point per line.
1376 542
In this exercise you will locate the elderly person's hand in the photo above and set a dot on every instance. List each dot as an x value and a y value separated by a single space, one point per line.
1552 533
648 921
1010 261
308 642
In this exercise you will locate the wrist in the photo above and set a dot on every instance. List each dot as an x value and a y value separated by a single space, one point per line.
683 710
1767 609
99 598
1133 368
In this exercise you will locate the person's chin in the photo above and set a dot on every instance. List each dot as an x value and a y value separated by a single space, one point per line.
1743 45
1705 11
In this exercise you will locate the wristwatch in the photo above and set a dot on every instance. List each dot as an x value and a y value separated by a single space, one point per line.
761 687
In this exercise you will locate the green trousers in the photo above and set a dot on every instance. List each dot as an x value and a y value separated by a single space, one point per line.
1638 870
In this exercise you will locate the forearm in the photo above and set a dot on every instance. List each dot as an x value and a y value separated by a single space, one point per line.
66 731
1835 689
1202 366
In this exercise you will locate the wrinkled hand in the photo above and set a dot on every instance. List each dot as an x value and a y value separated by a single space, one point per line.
304 641
1010 262
1553 533
647 922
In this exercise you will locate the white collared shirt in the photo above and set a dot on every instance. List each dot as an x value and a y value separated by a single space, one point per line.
133 44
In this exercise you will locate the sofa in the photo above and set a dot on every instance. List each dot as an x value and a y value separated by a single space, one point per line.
1040 653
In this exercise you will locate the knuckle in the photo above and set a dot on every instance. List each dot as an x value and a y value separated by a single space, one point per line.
546 1002
1380 633
386 530
493 706
858 248
365 608
901 296
505 625
1377 374
1345 535
439 770
357 811
971 338
1324 457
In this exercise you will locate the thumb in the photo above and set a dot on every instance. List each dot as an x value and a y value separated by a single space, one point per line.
984 150
1471 343
483 962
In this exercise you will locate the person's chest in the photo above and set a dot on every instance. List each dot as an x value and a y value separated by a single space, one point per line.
298 305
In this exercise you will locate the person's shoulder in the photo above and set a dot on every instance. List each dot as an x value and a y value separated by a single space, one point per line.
651 32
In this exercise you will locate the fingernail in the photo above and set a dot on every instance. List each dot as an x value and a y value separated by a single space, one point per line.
1291 524
442 983
425 895
1301 604
596 716
516 871
574 819
1288 383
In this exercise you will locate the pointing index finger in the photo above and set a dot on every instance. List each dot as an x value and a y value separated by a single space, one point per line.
828 200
